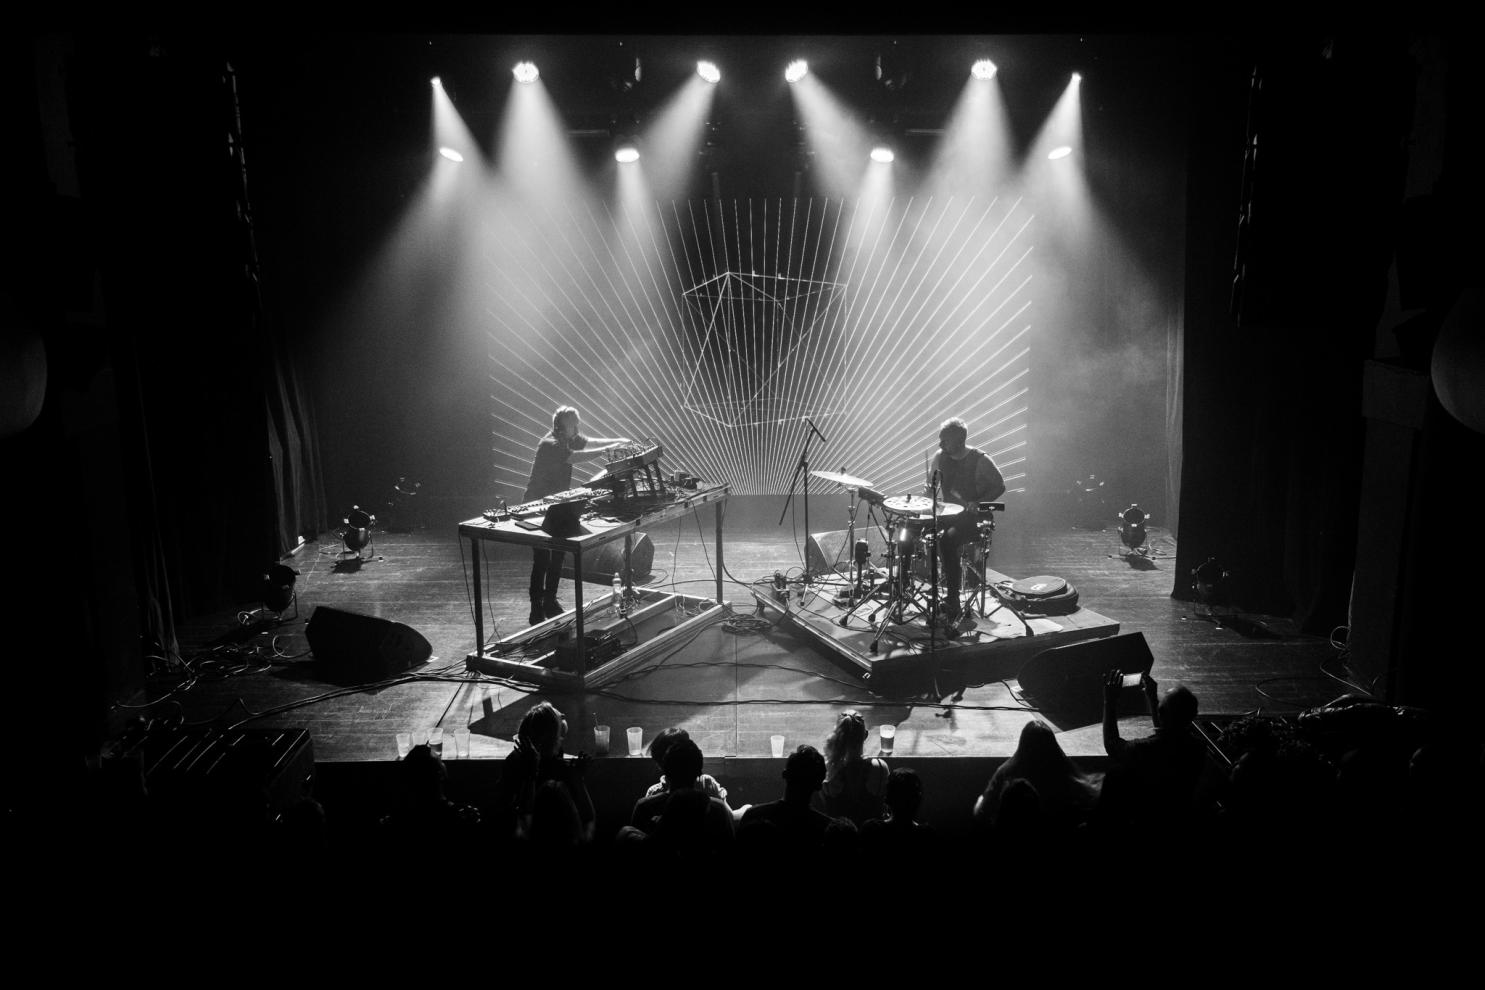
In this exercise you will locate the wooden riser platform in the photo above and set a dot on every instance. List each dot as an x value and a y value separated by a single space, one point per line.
540 655
991 647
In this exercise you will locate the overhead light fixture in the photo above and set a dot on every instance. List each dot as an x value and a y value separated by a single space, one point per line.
882 153
437 82
451 154
1061 151
796 70
626 151
525 72
1132 527
983 69
1077 77
709 72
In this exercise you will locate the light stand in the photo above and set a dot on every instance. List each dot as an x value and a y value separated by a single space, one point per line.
357 532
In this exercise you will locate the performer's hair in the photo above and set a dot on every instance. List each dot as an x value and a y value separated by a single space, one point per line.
956 424
557 418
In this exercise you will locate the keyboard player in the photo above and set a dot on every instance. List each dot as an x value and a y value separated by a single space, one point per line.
551 472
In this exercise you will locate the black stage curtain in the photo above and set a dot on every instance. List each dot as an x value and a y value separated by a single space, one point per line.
1273 430
219 444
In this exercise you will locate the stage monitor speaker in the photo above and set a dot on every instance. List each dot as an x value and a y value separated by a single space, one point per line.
827 553
1067 680
357 649
599 567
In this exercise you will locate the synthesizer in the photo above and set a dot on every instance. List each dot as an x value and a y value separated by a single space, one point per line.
540 506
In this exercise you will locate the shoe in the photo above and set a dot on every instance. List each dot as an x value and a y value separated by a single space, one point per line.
550 607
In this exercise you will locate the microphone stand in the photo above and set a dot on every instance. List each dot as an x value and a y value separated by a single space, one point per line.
803 467
933 568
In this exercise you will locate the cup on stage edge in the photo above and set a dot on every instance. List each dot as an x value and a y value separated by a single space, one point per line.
461 743
600 740
435 741
888 734
419 738
636 740
404 744
777 742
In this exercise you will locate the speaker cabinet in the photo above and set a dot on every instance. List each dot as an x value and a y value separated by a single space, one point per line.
1067 681
600 566
350 648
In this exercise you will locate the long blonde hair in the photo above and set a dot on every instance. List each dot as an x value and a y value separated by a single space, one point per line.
845 742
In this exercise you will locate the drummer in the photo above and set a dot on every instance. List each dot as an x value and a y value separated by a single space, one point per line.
966 476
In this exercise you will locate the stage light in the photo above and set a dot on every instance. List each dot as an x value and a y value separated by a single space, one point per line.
451 154
983 69
278 588
525 72
796 71
626 151
882 153
1077 77
1061 151
1207 580
709 72
437 82
357 531
1132 526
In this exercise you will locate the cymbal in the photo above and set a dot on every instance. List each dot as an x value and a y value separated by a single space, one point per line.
842 479
919 506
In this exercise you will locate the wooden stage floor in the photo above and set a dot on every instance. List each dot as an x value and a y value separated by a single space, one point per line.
731 685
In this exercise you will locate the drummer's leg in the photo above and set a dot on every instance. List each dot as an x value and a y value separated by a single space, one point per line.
952 536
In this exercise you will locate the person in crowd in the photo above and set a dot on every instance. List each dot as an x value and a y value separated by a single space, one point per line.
898 834
536 760
706 782
790 823
1162 769
684 820
1067 794
423 811
854 784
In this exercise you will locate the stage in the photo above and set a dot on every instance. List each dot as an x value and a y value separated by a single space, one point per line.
731 678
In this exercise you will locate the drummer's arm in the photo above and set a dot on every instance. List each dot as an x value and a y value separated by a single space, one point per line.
989 481
928 486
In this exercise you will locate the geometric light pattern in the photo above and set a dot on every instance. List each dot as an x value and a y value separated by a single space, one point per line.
717 328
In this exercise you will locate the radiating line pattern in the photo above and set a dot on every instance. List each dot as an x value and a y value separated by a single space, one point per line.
718 328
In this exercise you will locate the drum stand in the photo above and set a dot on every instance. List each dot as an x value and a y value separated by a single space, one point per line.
974 602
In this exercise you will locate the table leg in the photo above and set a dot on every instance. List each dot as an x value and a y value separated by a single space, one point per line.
580 644
720 569
479 608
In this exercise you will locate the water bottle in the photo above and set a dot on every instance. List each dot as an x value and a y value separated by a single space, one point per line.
619 593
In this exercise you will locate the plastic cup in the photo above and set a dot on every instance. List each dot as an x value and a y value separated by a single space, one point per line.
419 737
404 744
600 740
888 734
636 735
777 742
435 741
461 743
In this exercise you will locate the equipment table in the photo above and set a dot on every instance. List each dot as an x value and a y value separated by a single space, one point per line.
622 521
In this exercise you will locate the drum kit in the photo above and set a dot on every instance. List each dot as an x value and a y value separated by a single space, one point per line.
909 528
